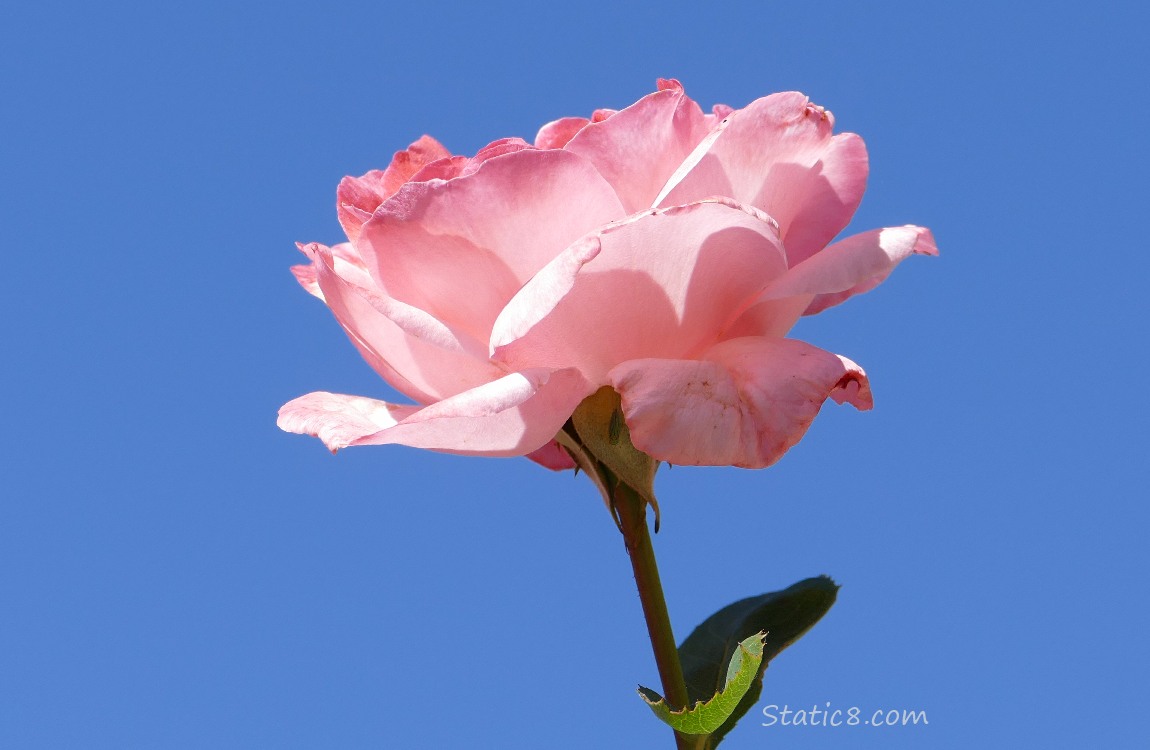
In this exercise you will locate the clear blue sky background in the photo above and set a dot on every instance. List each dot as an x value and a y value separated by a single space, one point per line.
177 573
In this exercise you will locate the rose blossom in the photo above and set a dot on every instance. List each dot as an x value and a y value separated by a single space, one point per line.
657 249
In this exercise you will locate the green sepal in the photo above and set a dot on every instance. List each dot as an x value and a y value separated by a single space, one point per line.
707 716
604 435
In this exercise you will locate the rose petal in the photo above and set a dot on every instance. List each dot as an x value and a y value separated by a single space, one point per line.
442 169
306 277
338 420
557 133
855 265
775 317
778 155
513 416
461 249
719 112
417 354
819 201
358 197
690 162
663 283
552 456
349 261
745 404
849 267
491 150
636 149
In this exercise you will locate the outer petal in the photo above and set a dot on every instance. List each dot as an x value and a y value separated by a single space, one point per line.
358 197
774 317
856 265
778 155
853 266
461 249
513 416
338 420
553 456
660 284
343 253
745 404
418 355
638 148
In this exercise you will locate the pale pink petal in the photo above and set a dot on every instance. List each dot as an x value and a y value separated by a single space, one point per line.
306 277
339 420
820 200
663 283
639 147
773 317
745 404
358 197
418 355
849 267
778 154
459 250
490 151
557 133
513 416
538 298
442 169
351 266
345 308
553 456
856 265
719 112
688 165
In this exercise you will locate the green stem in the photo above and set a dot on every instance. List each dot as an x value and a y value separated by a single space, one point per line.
632 513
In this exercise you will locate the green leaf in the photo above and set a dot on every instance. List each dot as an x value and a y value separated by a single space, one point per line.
783 615
707 716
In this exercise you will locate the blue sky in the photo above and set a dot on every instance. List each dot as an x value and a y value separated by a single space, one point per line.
177 573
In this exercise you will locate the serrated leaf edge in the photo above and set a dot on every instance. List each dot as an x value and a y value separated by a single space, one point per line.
750 664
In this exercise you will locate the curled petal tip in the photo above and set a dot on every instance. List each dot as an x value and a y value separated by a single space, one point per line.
924 243
853 387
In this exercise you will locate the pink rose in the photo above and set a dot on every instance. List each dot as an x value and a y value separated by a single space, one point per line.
659 250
